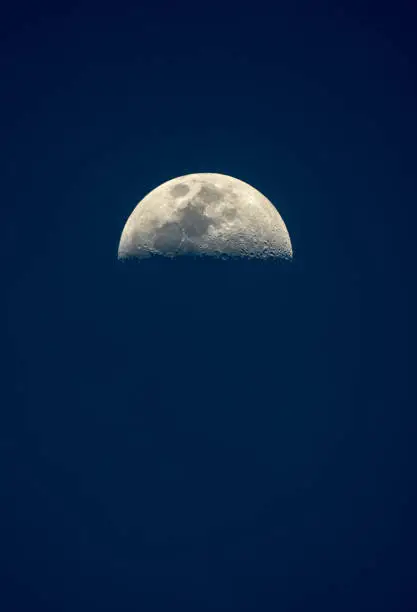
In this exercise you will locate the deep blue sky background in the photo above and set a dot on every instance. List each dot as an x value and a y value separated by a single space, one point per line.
196 435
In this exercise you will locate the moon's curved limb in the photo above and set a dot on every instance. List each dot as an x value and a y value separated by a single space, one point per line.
206 214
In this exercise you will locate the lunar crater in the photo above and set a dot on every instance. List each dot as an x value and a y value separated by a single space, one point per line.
179 190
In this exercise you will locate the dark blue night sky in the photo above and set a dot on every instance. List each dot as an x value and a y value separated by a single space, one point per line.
206 435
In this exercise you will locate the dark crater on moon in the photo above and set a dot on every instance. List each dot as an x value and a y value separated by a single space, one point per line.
180 190
168 237
209 194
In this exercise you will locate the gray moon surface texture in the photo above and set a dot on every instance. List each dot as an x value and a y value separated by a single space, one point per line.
205 214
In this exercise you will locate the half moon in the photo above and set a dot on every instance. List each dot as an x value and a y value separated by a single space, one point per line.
205 214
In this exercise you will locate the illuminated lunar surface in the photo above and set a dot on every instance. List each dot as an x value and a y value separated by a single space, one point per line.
205 214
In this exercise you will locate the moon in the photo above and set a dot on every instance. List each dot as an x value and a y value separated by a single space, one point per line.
205 214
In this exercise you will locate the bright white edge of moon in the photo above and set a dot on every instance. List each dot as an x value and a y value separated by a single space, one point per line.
205 214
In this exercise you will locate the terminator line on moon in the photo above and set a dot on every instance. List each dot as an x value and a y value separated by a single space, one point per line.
205 214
